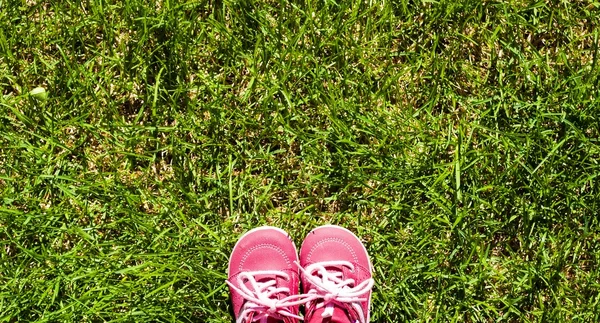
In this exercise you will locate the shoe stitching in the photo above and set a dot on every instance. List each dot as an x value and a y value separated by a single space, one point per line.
267 245
347 245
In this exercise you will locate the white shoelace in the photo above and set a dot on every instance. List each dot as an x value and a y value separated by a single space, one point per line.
261 297
332 289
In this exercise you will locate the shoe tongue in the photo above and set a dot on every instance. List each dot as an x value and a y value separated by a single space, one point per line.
336 270
274 320
270 320
339 316
264 278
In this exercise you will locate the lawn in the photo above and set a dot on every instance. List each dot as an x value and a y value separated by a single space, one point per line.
457 139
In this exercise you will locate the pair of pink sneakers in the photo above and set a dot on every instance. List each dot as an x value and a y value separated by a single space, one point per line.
265 273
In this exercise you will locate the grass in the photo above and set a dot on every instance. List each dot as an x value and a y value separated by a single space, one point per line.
458 139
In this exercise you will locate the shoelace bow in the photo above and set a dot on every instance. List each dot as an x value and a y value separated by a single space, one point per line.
333 289
261 297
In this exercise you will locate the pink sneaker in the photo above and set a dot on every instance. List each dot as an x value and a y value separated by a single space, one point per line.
263 279
336 274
